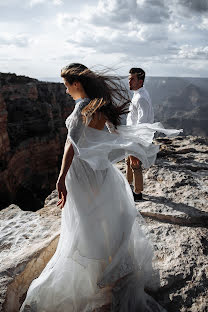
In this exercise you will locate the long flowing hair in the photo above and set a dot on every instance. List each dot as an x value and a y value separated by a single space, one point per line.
107 94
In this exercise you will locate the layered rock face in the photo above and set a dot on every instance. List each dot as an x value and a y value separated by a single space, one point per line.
176 214
180 103
32 137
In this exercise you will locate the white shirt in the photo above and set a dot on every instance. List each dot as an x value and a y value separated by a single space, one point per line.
140 109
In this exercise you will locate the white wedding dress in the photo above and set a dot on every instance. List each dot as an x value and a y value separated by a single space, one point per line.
101 242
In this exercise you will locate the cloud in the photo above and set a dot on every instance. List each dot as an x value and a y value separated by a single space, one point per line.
115 28
163 35
195 5
112 12
190 9
109 39
189 52
57 2
177 27
36 2
204 23
20 40
157 47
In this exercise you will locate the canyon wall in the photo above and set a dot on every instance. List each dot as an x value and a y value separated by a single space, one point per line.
180 103
32 137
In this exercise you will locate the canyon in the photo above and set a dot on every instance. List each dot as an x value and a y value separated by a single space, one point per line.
180 103
33 132
32 138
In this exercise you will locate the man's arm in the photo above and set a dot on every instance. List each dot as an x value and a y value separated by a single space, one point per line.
143 111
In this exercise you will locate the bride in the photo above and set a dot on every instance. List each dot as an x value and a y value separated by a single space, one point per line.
103 255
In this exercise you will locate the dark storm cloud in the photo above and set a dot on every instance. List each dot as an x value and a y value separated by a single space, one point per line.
195 5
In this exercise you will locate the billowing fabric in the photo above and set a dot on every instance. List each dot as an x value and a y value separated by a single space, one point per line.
140 109
103 255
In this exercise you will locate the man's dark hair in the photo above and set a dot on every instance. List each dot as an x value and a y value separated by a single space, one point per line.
139 71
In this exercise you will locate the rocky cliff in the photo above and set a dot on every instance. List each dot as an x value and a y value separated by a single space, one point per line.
176 214
32 137
180 103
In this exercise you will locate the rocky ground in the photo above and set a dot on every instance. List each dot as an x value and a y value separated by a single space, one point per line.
176 214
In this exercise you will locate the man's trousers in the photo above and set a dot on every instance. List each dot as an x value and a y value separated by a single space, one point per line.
134 175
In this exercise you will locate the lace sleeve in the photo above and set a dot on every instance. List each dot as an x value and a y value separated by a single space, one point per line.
74 122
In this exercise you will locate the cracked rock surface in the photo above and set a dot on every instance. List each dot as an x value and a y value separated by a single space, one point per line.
27 242
175 208
176 214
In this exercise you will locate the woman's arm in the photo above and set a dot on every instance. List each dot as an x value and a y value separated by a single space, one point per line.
66 163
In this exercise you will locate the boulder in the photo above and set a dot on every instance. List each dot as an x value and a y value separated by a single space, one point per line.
28 241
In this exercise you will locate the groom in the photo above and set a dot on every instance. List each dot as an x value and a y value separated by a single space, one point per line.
140 111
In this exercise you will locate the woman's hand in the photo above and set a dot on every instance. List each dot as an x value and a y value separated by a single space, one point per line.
62 192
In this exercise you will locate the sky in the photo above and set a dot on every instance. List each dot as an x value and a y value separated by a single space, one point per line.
164 37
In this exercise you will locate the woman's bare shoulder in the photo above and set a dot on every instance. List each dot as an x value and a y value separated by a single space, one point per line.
98 121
